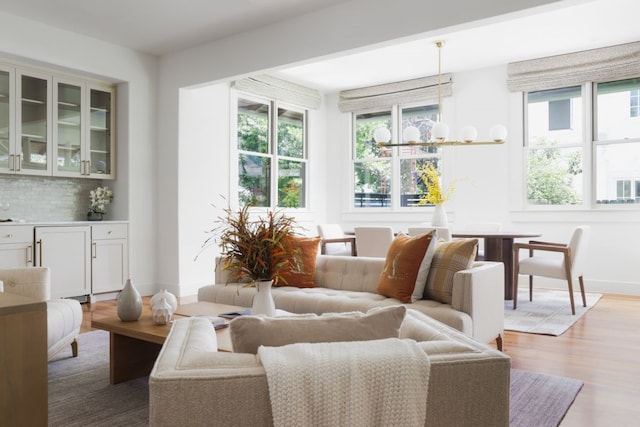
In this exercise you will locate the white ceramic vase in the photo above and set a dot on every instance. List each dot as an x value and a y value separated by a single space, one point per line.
439 218
168 296
129 303
161 312
263 300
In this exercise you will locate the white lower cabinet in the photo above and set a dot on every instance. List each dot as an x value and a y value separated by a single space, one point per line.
67 252
16 246
109 257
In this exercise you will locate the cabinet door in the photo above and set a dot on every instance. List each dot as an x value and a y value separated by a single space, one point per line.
69 131
110 265
101 138
33 118
16 246
7 143
67 252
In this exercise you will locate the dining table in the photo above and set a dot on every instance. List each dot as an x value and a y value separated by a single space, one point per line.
498 246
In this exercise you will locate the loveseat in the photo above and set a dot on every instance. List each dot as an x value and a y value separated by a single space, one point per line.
344 283
193 384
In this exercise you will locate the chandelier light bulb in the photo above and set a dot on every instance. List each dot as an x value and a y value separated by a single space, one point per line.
411 134
468 134
382 135
440 132
498 133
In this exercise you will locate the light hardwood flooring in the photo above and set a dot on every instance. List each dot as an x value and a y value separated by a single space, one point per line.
602 349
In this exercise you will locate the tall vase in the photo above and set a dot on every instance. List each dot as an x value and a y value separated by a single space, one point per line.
439 218
129 304
263 300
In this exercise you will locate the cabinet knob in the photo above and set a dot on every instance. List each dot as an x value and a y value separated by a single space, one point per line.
109 232
9 236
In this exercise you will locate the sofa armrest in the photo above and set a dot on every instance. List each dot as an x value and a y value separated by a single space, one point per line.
479 292
32 282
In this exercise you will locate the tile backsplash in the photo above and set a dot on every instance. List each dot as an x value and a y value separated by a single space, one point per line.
33 198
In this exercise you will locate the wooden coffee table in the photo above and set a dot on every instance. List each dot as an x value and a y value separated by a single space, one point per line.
134 346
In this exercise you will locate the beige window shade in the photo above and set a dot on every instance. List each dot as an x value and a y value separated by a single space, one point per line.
281 90
424 89
603 64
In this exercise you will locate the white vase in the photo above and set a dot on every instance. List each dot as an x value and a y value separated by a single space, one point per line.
263 300
161 312
168 296
439 218
129 303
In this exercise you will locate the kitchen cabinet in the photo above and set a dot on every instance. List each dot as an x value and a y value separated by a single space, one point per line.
83 138
16 246
66 250
109 257
56 124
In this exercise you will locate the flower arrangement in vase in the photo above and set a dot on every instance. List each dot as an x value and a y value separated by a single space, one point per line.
98 200
435 195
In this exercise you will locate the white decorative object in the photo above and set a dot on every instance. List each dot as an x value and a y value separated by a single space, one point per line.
129 303
161 312
263 300
439 218
164 294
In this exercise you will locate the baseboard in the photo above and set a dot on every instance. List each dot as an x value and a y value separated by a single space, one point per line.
598 286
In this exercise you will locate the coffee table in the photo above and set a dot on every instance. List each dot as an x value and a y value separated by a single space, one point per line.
134 346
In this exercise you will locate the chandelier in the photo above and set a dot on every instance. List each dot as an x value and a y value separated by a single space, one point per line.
440 130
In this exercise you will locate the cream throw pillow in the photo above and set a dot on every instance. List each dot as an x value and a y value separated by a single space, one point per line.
248 333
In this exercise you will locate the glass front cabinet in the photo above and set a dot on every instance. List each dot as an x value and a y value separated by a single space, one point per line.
56 125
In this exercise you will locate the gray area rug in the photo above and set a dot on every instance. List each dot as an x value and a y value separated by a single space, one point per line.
548 314
80 393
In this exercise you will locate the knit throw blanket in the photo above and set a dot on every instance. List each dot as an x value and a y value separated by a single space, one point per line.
360 383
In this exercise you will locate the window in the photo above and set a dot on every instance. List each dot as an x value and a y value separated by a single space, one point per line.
386 177
634 103
271 143
554 146
558 140
617 141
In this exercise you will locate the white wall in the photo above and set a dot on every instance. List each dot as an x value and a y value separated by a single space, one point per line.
136 74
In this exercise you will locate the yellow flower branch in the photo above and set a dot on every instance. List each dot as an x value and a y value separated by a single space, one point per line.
431 179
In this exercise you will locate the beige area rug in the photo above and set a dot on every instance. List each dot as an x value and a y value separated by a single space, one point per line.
80 393
548 314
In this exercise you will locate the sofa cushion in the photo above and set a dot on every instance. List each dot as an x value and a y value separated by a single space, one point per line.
449 258
406 267
301 271
248 333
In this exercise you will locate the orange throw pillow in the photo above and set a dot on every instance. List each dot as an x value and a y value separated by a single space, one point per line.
301 271
403 264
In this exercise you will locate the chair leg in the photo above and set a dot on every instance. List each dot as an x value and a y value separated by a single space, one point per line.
530 288
74 348
516 274
584 297
567 269
499 342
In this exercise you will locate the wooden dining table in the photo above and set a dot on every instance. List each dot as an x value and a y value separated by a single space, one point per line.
498 246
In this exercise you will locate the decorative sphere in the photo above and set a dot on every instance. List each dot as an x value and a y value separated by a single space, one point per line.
469 134
382 134
440 132
498 133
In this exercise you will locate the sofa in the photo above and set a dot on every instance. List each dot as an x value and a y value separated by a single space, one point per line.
64 316
344 283
193 384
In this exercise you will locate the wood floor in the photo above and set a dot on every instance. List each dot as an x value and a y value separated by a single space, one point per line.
602 350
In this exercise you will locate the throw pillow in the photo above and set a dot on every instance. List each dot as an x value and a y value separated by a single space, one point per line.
406 267
248 333
449 258
301 271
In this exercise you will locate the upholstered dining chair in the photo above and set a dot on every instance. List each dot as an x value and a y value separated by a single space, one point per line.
567 267
442 233
373 241
334 241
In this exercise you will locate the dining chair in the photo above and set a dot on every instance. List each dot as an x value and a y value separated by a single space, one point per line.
567 267
334 241
373 241
485 227
443 234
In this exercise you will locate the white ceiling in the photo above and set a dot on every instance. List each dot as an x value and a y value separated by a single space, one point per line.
161 27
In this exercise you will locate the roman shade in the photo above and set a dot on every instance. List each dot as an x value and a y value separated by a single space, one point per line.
281 90
597 65
386 95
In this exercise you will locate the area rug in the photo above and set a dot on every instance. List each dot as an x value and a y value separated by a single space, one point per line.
548 314
80 393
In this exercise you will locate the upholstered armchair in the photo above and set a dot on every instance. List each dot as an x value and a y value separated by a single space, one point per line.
64 316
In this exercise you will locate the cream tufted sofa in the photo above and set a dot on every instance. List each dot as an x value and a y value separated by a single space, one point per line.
347 283
192 384
64 316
